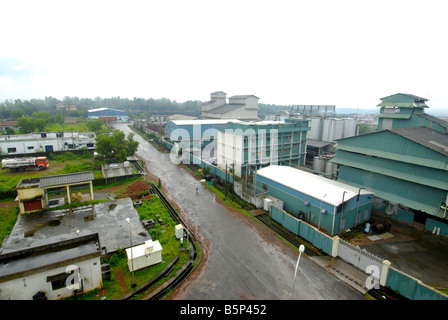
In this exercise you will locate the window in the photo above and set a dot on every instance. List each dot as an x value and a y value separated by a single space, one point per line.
90 145
265 187
58 281
12 150
30 147
43 135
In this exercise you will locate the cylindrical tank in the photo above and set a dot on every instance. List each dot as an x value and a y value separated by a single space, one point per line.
316 129
327 125
329 169
349 127
338 129
319 164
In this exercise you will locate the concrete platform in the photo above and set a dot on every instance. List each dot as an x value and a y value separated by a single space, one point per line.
108 219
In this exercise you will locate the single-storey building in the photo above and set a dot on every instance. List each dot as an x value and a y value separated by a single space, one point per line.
52 271
33 193
327 204
39 142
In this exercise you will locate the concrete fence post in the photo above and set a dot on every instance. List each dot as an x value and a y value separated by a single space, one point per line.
335 248
384 272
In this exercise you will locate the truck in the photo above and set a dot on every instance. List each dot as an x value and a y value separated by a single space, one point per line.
21 164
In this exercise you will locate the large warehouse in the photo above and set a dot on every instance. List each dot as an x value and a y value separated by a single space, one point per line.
109 115
328 204
405 163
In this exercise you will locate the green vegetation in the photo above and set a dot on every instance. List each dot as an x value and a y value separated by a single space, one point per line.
8 218
116 146
66 162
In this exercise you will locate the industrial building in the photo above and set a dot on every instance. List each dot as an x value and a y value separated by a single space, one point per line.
242 107
196 135
404 163
327 204
45 142
247 146
108 115
403 110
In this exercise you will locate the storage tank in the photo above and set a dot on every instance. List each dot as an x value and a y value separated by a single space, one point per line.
315 132
327 129
349 127
338 129
319 164
329 169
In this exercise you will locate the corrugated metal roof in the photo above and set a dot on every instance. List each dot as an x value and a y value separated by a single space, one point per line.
318 187
403 171
396 156
410 203
65 179
425 136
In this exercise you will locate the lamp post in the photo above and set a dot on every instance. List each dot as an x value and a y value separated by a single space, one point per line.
301 249
132 257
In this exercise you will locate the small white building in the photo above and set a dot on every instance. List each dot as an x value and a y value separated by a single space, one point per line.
144 255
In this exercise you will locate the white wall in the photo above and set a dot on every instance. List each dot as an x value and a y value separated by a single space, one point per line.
25 288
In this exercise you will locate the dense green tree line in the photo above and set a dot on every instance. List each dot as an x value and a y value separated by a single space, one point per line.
14 109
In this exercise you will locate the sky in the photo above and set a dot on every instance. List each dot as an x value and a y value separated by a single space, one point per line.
336 52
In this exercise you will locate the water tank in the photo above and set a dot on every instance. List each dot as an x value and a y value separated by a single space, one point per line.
349 127
315 132
318 164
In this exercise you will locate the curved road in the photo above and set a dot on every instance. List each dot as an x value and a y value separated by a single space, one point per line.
243 259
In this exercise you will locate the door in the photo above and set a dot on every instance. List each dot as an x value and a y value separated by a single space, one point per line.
32 205
49 148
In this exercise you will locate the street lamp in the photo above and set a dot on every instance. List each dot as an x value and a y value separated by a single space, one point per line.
301 249
132 256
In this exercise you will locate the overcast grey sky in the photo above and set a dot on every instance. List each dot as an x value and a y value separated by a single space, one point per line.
341 52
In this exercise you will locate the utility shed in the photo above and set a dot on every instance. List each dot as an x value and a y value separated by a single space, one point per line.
144 255
406 168
328 204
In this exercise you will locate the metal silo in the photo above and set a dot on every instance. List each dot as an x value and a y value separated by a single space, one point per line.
327 128
315 132
338 129
349 127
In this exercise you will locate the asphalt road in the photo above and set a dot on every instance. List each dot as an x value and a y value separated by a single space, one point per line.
242 260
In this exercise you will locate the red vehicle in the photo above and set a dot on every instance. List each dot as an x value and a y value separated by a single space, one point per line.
21 164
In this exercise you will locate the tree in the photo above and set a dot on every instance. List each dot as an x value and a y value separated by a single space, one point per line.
116 146
95 125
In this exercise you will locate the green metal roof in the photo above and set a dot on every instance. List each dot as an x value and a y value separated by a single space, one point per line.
416 205
404 171
396 156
